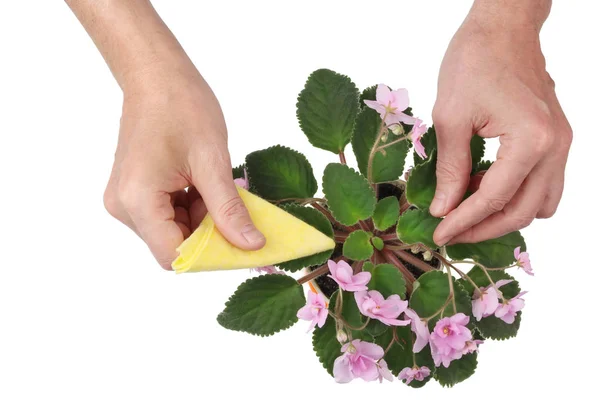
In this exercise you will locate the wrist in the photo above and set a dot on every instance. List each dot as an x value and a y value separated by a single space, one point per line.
511 15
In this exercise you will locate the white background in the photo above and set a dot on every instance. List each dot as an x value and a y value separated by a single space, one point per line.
85 313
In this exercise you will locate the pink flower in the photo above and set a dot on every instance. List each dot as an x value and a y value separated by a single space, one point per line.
342 273
384 372
485 300
358 361
418 373
269 269
244 183
315 310
391 104
523 261
416 134
449 338
507 311
373 305
420 328
472 346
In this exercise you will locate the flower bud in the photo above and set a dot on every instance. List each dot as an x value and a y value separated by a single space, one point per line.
415 249
397 129
427 255
341 336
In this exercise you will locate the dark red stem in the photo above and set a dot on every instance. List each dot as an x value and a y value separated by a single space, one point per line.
389 237
322 270
417 262
392 259
342 157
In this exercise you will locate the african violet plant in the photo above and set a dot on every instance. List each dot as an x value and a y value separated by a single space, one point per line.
386 301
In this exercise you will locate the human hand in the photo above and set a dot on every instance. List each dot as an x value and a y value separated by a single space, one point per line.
493 83
173 136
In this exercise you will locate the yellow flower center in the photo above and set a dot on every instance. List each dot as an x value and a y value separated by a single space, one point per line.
446 330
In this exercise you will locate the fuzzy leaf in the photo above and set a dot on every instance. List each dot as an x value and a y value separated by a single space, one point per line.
457 371
377 242
238 172
327 108
417 226
422 181
493 253
349 196
326 345
432 292
429 141
386 279
320 222
492 327
279 173
386 167
386 213
263 305
358 246
400 354
376 328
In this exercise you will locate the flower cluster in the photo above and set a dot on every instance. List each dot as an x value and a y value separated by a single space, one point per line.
391 106
450 339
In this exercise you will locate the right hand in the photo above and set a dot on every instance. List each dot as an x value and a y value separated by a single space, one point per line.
173 136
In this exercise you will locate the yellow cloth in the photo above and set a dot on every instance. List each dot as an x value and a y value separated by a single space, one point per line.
287 237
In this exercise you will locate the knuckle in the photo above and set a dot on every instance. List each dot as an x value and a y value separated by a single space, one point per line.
442 118
128 195
232 208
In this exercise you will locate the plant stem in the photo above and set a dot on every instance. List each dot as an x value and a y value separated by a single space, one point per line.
357 266
306 200
322 270
374 148
363 225
422 265
451 287
404 204
340 236
389 236
392 143
438 311
342 157
332 220
391 258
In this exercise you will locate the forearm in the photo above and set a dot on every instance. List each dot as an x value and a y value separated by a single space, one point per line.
133 40
526 14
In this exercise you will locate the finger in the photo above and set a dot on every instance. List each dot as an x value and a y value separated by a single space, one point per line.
154 217
517 214
552 200
453 165
213 179
497 188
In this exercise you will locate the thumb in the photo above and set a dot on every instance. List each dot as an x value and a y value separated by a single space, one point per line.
453 166
214 181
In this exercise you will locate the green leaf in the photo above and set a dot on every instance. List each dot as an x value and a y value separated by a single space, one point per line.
429 141
493 253
263 305
477 149
369 93
326 345
358 246
417 226
482 166
492 327
386 279
386 213
376 328
388 166
349 196
457 371
320 222
279 173
399 356
377 242
433 291
238 172
422 181
327 108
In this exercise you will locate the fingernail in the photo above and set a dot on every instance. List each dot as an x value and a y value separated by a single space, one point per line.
252 235
438 205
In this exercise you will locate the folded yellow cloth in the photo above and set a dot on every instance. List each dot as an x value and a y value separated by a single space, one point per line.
287 237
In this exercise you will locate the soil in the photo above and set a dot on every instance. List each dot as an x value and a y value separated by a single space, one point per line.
435 263
389 189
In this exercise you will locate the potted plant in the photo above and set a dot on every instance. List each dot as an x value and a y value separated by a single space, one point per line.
386 302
